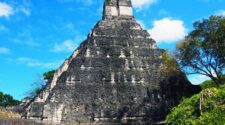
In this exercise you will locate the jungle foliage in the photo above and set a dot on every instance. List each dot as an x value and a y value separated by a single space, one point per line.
203 52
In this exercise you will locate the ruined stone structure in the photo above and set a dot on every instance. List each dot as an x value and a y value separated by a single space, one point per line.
113 77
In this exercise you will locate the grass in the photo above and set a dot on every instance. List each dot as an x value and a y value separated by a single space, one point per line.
4 113
17 122
8 117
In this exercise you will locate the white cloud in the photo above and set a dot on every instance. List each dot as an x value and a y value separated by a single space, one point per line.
168 30
24 7
5 10
138 4
86 2
29 61
220 13
4 50
25 10
36 63
66 46
197 79
163 12
69 45
25 41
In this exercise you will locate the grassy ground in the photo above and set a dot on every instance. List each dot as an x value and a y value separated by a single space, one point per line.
8 117
4 113
17 122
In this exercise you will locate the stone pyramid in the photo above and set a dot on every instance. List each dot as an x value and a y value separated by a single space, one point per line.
113 77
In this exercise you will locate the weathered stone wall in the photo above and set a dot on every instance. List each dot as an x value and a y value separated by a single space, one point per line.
114 77
115 8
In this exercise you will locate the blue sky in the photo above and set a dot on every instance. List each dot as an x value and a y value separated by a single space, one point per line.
38 35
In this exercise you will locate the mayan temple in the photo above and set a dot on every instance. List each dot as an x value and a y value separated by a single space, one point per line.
113 77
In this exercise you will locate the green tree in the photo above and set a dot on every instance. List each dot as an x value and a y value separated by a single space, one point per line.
210 83
40 83
203 50
108 2
170 66
205 108
1 98
49 75
8 100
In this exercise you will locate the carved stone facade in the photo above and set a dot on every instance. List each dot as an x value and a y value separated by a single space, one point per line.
113 77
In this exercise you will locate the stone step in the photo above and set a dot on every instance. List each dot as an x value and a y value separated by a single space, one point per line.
120 33
122 42
122 52
118 24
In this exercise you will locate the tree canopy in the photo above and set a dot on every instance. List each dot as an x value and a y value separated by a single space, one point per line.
211 83
49 75
202 51
205 108
170 66
40 83
8 100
